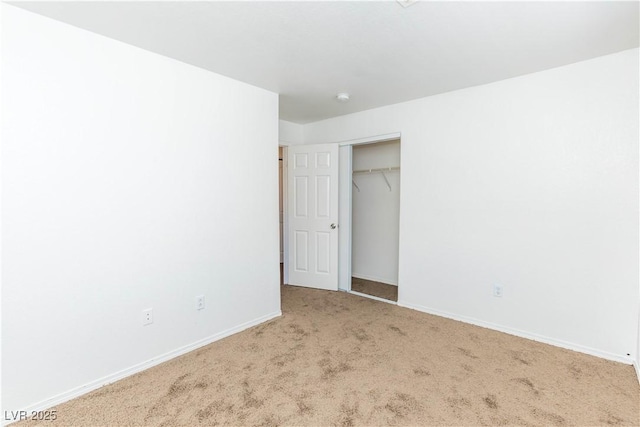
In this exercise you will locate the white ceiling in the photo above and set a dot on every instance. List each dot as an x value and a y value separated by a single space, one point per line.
379 52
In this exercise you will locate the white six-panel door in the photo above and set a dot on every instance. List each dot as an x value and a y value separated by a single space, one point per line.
312 211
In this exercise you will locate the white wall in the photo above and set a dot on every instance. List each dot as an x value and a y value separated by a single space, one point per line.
376 213
532 183
130 181
290 133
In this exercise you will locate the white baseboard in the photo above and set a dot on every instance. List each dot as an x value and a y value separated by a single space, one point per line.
109 379
636 364
374 279
522 334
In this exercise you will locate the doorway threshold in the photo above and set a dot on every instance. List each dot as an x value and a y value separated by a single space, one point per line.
360 294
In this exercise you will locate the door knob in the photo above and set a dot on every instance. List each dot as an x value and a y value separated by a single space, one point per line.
333 226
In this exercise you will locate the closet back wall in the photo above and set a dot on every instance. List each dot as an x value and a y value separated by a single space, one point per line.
376 213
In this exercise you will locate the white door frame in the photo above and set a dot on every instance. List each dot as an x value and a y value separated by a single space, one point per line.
285 220
345 247
344 217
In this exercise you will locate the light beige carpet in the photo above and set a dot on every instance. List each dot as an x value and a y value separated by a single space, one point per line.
338 359
377 289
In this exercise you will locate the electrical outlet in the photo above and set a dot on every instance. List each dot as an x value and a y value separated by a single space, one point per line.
200 302
147 316
497 291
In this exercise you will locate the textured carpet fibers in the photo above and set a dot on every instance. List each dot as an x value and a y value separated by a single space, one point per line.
339 359
377 289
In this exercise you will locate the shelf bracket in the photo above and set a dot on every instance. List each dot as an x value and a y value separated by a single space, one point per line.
386 180
356 185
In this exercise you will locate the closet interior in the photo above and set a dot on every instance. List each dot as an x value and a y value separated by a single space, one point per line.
375 219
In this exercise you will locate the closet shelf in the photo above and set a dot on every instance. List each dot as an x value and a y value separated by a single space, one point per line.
395 168
380 170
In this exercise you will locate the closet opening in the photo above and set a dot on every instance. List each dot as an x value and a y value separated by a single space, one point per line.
375 219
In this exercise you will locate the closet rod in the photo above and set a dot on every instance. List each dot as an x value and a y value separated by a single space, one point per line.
396 168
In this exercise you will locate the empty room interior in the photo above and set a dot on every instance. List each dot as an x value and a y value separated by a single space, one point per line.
320 213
